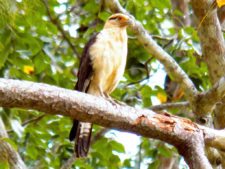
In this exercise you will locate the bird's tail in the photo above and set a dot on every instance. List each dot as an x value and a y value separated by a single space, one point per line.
81 132
73 130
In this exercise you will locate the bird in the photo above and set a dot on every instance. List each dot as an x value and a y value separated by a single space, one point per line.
102 65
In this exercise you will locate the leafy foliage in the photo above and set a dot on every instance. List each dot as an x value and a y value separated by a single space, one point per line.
35 45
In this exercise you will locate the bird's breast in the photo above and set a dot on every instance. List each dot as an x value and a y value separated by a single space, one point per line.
108 60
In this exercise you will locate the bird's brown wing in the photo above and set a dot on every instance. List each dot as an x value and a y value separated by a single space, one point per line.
80 130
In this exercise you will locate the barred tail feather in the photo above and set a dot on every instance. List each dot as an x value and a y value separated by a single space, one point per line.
83 138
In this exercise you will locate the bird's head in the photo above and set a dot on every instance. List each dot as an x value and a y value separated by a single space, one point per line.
118 20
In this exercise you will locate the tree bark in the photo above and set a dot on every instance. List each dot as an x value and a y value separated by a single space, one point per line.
213 47
213 52
7 153
188 137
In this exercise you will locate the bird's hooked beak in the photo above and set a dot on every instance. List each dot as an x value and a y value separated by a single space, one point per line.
128 21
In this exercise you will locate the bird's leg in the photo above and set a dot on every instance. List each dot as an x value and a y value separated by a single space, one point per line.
101 92
113 101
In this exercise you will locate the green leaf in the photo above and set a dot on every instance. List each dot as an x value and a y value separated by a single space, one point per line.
41 62
3 58
164 151
116 146
4 165
103 15
146 96
154 165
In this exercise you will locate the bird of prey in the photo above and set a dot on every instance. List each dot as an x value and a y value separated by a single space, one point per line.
101 67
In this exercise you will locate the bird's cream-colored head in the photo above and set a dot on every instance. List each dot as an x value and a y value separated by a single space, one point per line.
118 20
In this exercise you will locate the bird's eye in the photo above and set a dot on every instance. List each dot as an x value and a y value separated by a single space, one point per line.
113 18
119 18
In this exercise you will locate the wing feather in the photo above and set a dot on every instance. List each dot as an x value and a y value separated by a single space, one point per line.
85 68
80 130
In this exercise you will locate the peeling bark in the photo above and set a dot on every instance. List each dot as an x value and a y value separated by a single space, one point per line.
187 136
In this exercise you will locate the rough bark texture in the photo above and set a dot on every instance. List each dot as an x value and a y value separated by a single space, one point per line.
188 137
205 102
213 47
7 152
211 37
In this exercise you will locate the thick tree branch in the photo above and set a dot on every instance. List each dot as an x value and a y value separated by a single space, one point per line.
152 48
214 138
211 38
7 152
206 101
213 48
180 132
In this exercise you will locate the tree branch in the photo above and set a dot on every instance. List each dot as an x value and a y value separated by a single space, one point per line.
206 101
169 106
214 138
68 164
180 132
56 22
221 14
211 37
7 152
213 47
32 120
154 49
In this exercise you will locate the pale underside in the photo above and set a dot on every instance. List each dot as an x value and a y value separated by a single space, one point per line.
108 55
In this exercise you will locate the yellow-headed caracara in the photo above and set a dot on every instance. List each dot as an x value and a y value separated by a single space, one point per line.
101 68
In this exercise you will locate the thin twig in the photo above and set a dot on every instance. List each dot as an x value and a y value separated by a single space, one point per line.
68 164
170 106
147 73
163 38
56 22
99 135
33 120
